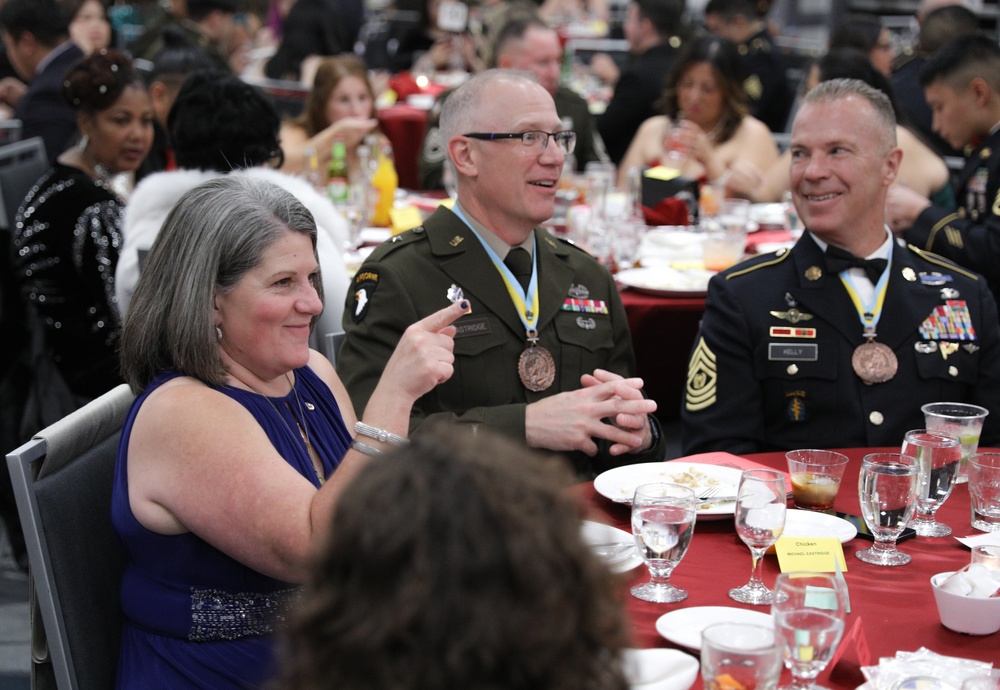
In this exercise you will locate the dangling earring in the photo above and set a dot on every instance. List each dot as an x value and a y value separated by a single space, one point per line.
218 333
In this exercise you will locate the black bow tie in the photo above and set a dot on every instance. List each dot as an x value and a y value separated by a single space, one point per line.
838 260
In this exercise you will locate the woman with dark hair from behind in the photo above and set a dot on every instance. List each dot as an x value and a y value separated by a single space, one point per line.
706 117
220 125
457 562
67 236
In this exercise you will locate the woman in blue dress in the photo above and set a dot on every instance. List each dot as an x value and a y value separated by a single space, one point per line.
241 439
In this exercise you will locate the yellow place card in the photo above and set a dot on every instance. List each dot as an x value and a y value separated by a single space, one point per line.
661 172
810 554
404 219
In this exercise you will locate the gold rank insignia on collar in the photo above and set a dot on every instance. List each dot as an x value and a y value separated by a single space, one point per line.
814 273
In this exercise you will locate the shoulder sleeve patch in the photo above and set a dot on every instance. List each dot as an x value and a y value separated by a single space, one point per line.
362 288
702 378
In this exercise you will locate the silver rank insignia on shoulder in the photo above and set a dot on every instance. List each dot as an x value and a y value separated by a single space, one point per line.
455 294
949 293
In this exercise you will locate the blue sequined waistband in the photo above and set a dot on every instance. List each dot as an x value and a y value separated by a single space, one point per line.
219 615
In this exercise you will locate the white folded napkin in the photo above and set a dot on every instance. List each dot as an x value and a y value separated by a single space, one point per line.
949 671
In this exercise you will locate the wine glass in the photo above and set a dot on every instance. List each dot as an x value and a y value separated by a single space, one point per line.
740 655
887 489
939 455
808 612
663 517
674 147
760 520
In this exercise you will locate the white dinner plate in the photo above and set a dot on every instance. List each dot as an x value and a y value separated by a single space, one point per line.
619 483
598 533
659 669
805 523
683 627
666 281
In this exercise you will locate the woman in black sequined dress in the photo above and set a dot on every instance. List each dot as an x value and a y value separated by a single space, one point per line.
67 235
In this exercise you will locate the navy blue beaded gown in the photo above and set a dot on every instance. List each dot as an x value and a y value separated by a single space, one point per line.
194 617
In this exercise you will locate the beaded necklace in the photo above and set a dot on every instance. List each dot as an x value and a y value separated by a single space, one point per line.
303 427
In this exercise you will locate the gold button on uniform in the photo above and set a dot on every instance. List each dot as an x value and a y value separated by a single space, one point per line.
876 418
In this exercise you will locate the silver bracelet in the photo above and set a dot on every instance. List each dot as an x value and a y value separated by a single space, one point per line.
379 434
365 448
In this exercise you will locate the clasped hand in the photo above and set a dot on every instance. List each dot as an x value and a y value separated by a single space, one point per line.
607 406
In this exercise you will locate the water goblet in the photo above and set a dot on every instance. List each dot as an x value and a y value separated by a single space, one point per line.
663 517
808 612
740 655
887 490
938 455
760 520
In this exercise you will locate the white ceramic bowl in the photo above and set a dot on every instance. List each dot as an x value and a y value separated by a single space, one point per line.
971 615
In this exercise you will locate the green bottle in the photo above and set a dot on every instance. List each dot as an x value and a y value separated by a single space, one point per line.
337 181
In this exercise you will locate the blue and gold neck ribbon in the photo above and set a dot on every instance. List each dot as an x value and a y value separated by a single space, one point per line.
870 314
521 298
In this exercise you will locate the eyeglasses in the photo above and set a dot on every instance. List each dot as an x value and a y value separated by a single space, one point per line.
533 139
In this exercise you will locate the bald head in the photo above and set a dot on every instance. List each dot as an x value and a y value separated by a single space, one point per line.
467 107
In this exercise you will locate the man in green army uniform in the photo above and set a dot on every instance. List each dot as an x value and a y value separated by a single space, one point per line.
545 355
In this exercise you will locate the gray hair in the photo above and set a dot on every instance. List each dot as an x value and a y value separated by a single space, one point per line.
460 109
213 236
838 89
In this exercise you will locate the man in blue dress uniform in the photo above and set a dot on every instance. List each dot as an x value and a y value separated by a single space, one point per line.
838 341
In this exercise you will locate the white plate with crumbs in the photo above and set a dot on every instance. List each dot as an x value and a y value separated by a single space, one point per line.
619 483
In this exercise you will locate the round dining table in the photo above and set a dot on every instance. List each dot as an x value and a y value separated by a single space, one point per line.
892 608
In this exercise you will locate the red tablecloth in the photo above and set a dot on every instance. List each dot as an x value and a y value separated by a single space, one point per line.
405 126
895 605
663 332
